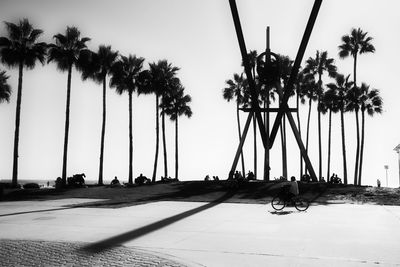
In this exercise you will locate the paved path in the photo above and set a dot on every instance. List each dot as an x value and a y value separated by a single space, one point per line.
216 234
45 253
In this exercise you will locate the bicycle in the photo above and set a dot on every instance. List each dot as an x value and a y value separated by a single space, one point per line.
283 198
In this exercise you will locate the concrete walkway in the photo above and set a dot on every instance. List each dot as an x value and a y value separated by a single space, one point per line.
213 234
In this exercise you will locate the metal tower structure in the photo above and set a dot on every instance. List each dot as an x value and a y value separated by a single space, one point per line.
269 138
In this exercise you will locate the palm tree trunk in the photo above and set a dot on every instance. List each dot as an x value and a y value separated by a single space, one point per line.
17 123
343 148
283 142
328 174
319 142
355 69
308 128
66 132
255 145
240 136
164 143
266 149
153 179
298 123
130 179
362 145
176 146
358 150
103 131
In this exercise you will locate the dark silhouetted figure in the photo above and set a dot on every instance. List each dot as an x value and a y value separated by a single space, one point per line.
76 180
140 180
115 182
251 176
207 178
378 182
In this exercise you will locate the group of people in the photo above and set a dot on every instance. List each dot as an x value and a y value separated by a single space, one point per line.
207 178
237 175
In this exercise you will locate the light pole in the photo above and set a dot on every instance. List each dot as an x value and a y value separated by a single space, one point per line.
397 149
386 168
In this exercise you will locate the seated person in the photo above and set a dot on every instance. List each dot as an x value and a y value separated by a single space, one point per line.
250 176
115 182
141 179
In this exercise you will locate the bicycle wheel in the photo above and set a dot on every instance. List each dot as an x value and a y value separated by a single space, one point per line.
277 203
301 204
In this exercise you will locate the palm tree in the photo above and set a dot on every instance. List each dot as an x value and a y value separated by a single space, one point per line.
329 103
157 80
236 89
252 56
372 103
300 97
342 87
20 48
353 104
267 95
5 88
125 73
97 68
66 53
310 90
356 43
176 104
316 67
168 85
285 68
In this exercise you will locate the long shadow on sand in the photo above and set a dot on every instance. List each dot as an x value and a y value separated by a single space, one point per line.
131 235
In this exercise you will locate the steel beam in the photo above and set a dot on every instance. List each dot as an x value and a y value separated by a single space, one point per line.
241 143
247 69
295 69
269 109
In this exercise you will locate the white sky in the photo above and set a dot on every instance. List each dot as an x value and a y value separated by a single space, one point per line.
199 37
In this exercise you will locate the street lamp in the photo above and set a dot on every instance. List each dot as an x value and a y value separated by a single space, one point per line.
397 149
386 168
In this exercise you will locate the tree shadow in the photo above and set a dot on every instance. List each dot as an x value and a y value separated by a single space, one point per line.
131 235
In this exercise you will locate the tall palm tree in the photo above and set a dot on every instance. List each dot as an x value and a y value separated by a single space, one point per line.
329 103
66 52
235 90
316 67
168 86
97 68
285 68
157 80
372 103
353 104
267 96
125 73
300 98
20 48
5 88
342 87
310 91
358 42
252 56
177 104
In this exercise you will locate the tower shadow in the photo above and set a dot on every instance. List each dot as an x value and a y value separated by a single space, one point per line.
131 235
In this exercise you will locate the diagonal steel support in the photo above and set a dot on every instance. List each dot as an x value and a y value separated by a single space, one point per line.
295 69
241 143
247 69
